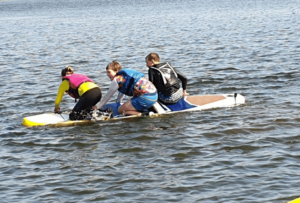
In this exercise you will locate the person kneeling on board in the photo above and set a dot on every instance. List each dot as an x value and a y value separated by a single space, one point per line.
166 80
80 87
131 83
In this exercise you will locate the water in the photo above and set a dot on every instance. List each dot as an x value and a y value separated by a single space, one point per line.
243 154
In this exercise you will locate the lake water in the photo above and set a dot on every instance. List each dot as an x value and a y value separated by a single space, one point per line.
249 153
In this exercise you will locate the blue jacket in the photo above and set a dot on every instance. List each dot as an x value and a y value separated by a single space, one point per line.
131 78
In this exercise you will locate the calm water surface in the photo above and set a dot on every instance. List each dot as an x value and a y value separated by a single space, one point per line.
249 153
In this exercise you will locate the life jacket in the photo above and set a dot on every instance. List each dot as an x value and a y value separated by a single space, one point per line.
75 80
170 83
130 77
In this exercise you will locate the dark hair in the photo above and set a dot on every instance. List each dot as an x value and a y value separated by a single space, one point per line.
66 71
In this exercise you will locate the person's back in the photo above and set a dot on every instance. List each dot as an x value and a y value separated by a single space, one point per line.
80 87
166 79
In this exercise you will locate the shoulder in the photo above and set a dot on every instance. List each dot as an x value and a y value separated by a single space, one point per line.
65 82
153 70
118 79
64 85
114 81
168 64
126 71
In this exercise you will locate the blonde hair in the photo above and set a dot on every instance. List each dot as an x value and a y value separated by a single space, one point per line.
153 56
115 66
67 71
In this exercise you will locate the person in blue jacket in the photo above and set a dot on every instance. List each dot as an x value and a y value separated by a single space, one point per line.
131 83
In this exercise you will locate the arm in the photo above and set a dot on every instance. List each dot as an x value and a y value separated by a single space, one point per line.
120 97
183 80
155 77
112 89
150 75
64 86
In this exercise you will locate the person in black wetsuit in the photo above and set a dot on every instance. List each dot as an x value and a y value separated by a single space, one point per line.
166 80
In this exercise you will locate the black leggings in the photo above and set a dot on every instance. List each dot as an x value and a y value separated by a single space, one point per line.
88 100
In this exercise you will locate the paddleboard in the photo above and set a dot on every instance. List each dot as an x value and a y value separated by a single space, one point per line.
188 103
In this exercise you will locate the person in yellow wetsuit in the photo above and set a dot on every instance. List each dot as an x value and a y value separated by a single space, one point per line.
80 87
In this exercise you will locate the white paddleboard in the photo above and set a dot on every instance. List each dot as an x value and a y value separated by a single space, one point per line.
188 103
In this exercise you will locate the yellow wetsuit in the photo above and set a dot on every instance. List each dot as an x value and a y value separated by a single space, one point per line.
64 86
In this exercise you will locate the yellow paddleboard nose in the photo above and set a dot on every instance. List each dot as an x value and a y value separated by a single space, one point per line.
26 122
295 200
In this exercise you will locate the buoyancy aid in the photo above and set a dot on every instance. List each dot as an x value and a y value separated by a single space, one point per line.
167 81
75 80
130 78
